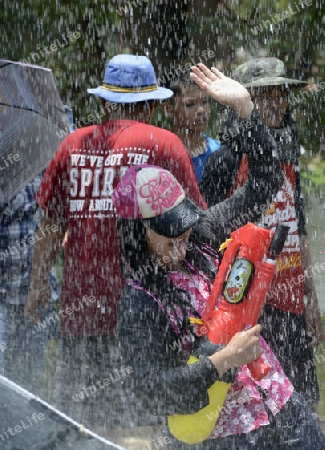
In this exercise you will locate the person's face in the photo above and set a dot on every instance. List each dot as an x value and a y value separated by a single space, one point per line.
190 109
170 251
272 103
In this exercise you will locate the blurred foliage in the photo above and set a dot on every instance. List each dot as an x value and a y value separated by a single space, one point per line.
168 31
313 175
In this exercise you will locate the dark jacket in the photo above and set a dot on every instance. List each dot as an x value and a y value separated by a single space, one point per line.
161 383
221 168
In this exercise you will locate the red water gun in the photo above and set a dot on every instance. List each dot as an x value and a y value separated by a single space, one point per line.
241 285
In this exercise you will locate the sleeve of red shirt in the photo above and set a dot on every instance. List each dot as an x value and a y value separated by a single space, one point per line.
51 195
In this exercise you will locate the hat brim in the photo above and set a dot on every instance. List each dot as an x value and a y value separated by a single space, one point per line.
276 81
176 221
118 97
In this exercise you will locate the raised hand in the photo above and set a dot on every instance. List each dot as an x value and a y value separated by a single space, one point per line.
223 89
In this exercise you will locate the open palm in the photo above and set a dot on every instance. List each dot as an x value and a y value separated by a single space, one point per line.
223 89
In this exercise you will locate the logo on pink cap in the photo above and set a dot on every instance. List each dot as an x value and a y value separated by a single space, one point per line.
160 193
145 192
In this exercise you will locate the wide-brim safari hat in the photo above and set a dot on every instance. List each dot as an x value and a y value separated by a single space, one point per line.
264 72
130 79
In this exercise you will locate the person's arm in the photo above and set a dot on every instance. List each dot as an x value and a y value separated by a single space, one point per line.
248 136
249 202
150 347
48 240
265 177
221 167
219 174
51 197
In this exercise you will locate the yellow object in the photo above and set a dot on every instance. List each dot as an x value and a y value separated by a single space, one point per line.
195 428
195 320
225 244
113 88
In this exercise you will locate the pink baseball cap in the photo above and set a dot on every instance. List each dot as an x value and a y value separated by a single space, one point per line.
153 195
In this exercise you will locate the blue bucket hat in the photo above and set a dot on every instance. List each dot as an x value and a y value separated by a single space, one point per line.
130 79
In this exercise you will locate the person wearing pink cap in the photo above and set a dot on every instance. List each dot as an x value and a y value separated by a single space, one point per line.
169 274
76 196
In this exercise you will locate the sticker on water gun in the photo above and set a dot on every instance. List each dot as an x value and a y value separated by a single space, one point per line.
238 281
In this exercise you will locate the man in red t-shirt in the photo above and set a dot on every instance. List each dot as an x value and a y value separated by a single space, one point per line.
76 192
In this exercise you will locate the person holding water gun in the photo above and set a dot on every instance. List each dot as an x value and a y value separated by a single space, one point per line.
169 271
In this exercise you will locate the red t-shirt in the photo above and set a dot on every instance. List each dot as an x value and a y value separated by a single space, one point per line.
287 291
76 190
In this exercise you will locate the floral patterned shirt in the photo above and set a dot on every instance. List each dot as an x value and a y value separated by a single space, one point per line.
244 408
